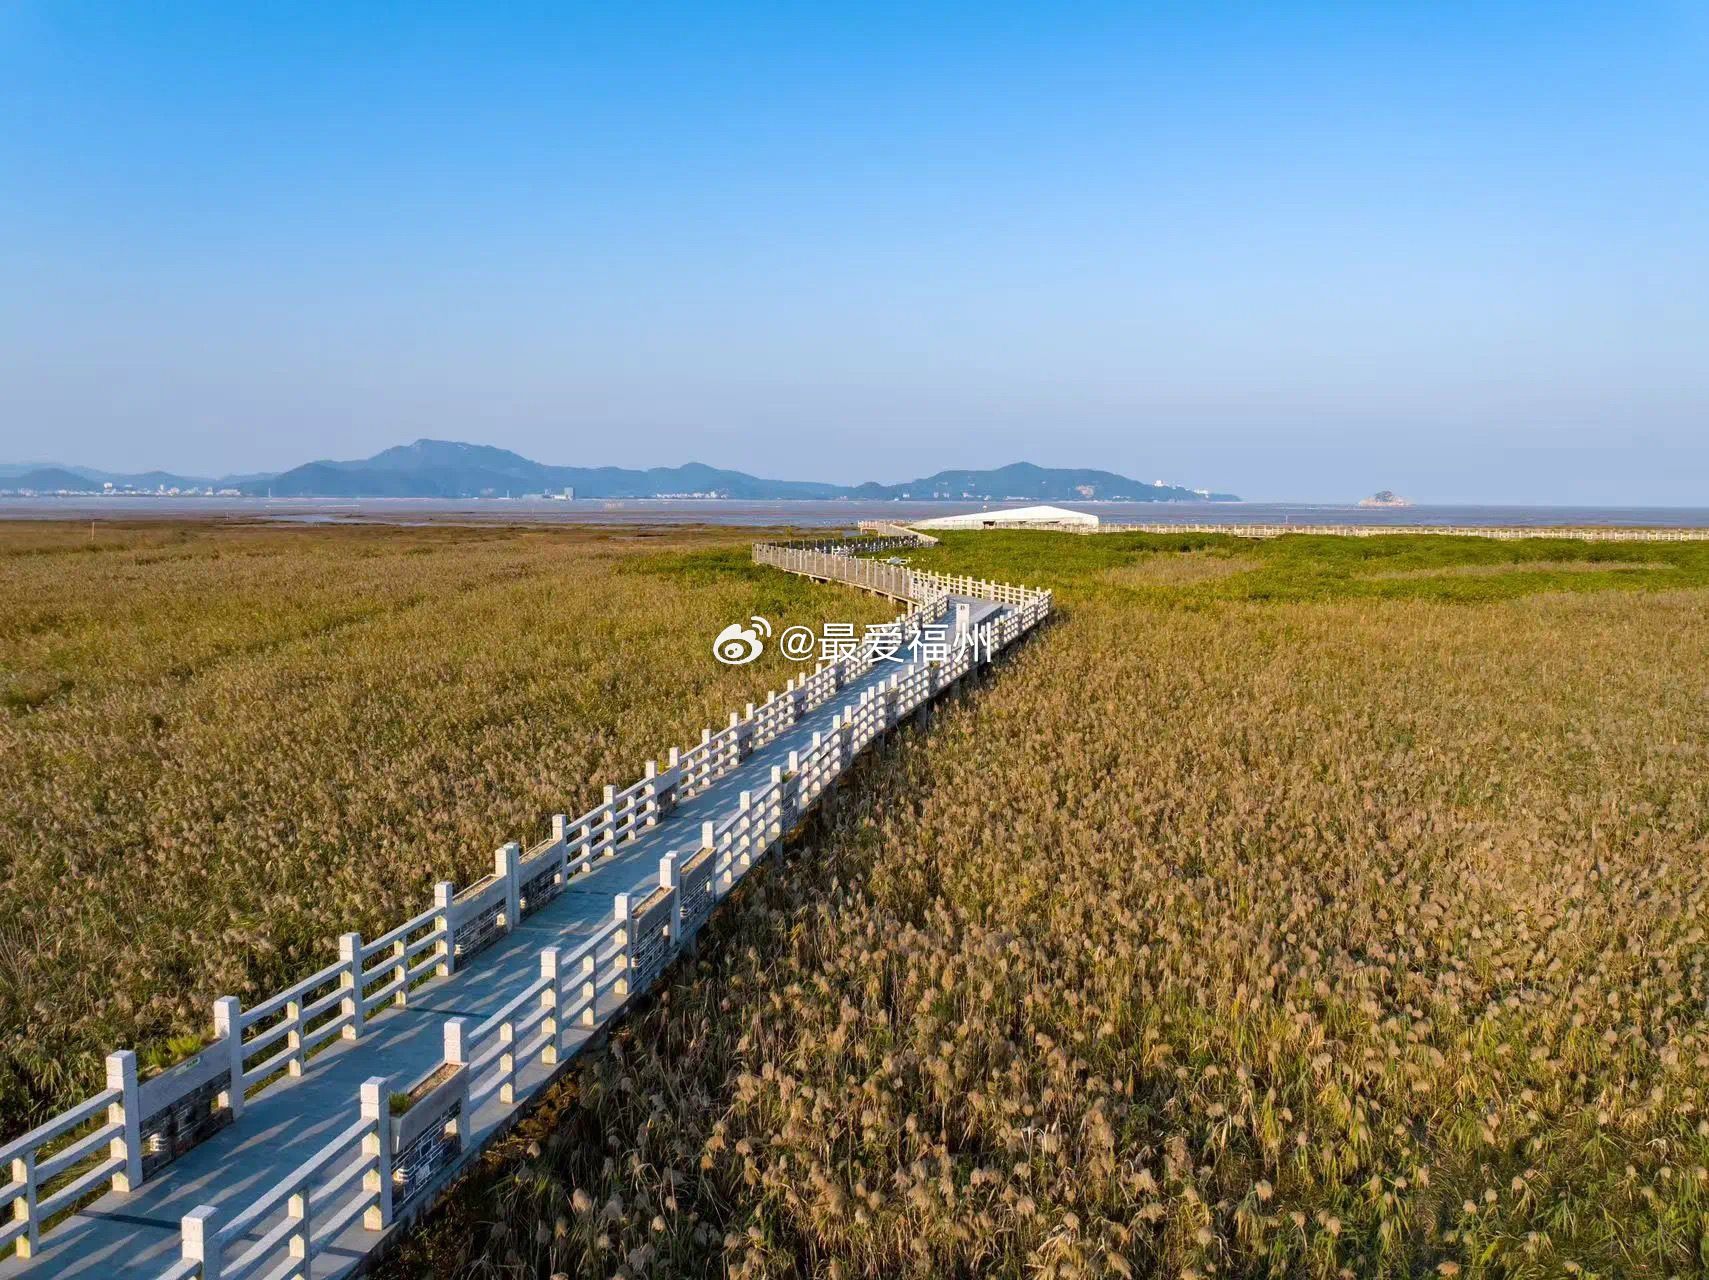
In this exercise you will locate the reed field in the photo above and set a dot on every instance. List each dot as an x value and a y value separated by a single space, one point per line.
1309 908
222 746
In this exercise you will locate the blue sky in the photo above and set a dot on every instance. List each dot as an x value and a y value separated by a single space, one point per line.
1297 251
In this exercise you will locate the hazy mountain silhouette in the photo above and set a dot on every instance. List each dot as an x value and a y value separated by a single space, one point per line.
450 469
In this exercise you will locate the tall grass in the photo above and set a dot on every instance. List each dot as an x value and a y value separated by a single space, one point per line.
1321 924
221 747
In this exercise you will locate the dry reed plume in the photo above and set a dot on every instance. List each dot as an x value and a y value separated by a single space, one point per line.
221 747
1359 936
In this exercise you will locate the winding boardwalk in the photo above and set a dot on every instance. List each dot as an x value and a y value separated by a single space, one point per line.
303 1182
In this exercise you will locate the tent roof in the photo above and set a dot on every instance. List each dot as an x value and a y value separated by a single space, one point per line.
1002 516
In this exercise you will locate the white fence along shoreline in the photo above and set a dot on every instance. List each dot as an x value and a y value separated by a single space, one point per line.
375 1162
1500 533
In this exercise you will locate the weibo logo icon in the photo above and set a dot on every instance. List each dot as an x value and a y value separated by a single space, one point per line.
737 645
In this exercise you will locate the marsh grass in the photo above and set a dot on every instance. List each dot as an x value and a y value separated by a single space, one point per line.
223 746
1284 923
1182 568
1535 566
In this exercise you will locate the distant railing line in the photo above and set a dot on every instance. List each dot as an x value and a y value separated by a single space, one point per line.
1498 532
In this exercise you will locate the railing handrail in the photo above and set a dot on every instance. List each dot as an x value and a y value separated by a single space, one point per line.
276 1003
400 934
62 1123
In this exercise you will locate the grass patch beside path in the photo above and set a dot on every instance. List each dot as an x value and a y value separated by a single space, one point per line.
1198 569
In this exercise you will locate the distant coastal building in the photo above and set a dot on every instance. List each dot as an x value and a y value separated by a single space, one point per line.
1013 518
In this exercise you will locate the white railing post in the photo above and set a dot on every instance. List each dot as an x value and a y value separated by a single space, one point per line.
552 969
464 1122
744 853
459 1053
457 1042
377 1146
24 1207
620 909
400 972
670 877
443 893
228 1025
504 865
294 1037
301 1241
561 839
199 1242
507 1061
610 819
650 774
590 988
121 1075
350 953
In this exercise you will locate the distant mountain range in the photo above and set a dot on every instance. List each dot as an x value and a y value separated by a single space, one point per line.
447 469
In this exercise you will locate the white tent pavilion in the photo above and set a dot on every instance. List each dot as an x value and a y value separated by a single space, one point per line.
1012 518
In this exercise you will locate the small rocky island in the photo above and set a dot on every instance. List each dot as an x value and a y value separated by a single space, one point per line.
1385 498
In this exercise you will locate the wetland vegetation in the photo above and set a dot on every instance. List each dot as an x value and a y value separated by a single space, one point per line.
1316 907
1313 907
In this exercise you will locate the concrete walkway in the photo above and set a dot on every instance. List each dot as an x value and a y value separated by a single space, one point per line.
136 1236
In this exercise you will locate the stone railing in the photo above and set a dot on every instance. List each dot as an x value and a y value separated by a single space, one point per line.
887 537
899 582
349 1179
382 1161
892 580
94 1145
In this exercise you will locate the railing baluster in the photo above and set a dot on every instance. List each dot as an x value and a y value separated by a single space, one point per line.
121 1075
199 1242
443 894
24 1207
377 1146
350 952
228 1025
552 969
302 1239
507 1061
294 1037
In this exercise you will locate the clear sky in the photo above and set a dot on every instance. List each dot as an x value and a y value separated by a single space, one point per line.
1296 251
